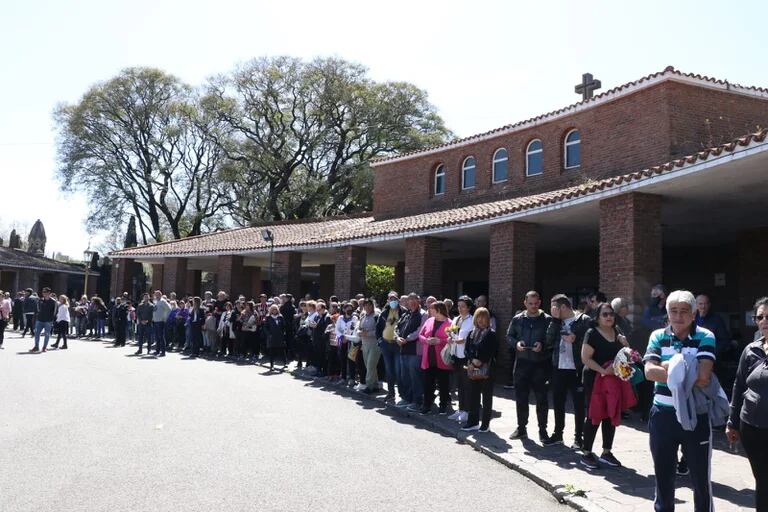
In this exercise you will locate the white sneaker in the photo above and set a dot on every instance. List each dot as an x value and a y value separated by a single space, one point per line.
361 387
473 428
455 416
463 416
402 403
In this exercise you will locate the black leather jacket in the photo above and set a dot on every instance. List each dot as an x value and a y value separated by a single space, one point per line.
529 330
581 322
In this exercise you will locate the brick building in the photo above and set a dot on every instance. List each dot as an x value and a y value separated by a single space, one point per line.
652 181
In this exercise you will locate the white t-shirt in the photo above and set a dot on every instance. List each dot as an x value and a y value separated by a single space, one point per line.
465 327
565 361
62 313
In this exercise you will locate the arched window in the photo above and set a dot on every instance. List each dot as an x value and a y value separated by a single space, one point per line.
440 180
534 158
468 173
572 149
500 165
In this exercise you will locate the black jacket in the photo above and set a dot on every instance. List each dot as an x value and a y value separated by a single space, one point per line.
750 390
46 310
408 327
288 310
581 322
30 304
383 320
275 330
529 330
485 350
121 314
318 333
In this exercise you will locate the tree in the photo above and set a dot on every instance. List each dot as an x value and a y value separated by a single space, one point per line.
299 136
379 280
130 234
139 144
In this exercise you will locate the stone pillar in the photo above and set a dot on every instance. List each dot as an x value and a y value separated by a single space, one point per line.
327 281
511 274
230 275
630 247
28 279
175 276
349 272
423 266
400 277
122 277
286 273
157 277
93 285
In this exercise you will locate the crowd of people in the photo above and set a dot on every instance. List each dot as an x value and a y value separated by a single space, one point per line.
416 349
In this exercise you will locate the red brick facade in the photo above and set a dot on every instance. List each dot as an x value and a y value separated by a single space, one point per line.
633 132
349 272
175 276
122 277
287 273
157 276
230 276
327 280
423 266
630 246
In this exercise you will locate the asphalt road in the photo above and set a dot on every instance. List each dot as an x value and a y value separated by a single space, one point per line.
95 428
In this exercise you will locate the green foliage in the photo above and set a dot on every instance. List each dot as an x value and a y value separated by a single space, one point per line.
379 280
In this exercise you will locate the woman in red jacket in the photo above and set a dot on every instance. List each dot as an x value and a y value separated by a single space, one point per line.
601 344
433 338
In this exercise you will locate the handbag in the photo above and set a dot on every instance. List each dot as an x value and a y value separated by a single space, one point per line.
446 354
475 373
353 352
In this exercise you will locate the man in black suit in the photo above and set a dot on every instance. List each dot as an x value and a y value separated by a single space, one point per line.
196 321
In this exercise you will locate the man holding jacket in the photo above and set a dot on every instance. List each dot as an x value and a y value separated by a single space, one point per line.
565 335
527 333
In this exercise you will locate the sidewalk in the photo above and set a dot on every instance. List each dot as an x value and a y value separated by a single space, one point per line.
556 468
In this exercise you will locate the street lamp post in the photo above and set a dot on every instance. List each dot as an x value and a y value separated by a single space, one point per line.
268 236
87 256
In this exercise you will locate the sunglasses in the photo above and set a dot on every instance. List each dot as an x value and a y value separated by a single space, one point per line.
607 314
759 318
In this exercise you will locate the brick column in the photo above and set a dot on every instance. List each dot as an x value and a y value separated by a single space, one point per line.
511 274
230 275
252 277
400 277
157 277
175 276
423 266
122 274
193 282
327 280
349 272
286 273
630 247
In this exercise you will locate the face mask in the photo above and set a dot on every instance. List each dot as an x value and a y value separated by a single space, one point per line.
393 304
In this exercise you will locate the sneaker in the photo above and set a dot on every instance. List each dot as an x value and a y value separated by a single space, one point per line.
425 410
455 416
519 433
463 416
137 353
402 403
471 428
34 349
44 350
543 437
361 387
682 467
610 460
414 407
484 428
553 440
578 444
443 410
589 461
390 397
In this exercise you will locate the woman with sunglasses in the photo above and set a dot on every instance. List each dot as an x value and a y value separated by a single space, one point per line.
748 421
601 344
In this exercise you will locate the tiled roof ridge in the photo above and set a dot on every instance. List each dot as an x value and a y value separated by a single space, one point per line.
309 220
669 70
465 215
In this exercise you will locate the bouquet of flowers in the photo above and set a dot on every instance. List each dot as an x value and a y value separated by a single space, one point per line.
452 331
624 363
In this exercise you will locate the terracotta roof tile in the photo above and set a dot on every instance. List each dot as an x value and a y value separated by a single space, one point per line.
330 232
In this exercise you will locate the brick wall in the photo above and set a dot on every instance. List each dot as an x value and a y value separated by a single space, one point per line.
229 275
327 281
122 274
157 277
175 276
423 266
630 246
645 128
349 272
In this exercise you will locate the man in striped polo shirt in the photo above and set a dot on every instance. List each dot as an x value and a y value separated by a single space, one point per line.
682 335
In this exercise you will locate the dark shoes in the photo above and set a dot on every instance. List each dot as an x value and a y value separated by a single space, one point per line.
682 468
519 433
138 352
609 460
553 440
578 444
589 461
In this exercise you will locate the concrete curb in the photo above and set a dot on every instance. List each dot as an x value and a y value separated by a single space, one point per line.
580 503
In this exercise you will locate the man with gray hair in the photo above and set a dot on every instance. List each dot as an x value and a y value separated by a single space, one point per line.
682 336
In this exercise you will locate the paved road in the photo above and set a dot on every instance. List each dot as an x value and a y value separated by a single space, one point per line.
95 428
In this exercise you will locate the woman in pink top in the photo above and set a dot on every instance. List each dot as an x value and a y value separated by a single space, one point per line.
432 338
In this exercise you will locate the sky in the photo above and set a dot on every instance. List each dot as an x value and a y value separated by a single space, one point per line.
484 64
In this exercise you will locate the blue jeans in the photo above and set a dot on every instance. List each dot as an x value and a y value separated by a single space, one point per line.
159 333
666 435
144 332
100 327
40 326
390 352
411 379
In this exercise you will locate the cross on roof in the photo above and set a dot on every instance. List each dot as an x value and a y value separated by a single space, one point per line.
587 86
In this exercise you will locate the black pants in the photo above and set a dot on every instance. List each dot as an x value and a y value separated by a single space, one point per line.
29 323
120 330
442 379
462 384
332 356
512 359
666 436
319 354
18 321
590 432
531 376
3 324
62 329
565 382
755 443
475 391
